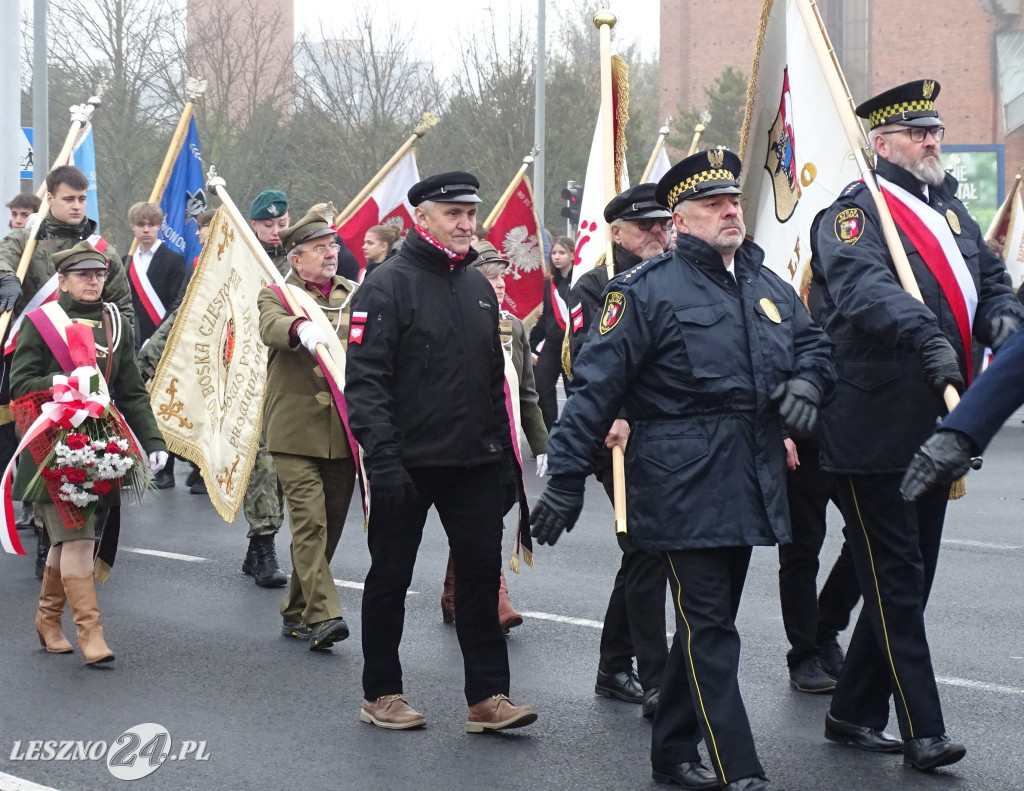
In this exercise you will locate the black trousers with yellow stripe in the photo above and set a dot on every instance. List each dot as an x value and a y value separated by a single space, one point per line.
895 548
700 694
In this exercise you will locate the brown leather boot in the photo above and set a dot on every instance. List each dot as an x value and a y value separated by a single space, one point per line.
51 607
81 593
448 593
507 614
497 713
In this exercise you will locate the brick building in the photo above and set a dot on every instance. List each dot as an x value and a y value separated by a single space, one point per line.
974 48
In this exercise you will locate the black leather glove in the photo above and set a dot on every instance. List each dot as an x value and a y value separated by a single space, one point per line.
10 290
944 457
557 509
1000 330
940 364
799 404
390 484
509 483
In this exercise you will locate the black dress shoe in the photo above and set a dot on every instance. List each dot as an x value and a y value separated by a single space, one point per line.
689 774
753 783
623 685
327 633
930 752
651 698
832 658
863 738
194 477
164 479
809 675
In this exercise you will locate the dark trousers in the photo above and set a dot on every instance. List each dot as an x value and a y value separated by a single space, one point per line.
812 620
468 500
545 374
706 586
895 547
634 624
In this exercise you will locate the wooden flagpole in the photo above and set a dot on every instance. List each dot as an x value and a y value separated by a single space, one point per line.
177 141
217 185
662 134
80 115
605 21
427 122
500 205
845 106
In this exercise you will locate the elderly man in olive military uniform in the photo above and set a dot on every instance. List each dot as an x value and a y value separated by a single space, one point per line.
64 226
897 354
262 504
713 357
304 432
634 624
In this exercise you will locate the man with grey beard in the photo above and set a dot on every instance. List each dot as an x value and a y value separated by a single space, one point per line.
895 356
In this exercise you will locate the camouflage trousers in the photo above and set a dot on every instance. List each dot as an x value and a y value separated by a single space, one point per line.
263 503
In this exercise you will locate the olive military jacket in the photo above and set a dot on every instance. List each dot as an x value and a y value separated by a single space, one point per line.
34 367
694 355
530 416
299 414
53 237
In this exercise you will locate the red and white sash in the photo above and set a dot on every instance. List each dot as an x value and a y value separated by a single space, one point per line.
48 293
560 308
931 236
144 290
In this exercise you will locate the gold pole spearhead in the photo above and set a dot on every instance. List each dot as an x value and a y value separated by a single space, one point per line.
605 17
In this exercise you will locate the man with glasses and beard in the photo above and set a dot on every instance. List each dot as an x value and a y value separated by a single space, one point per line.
896 355
634 624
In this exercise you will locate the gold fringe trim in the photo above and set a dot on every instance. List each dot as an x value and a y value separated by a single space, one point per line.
513 564
766 10
528 557
620 95
566 356
958 489
6 415
100 570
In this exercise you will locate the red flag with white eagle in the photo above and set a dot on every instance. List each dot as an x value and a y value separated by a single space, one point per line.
388 204
515 233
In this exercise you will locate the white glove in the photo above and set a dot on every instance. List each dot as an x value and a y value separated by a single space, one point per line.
310 335
542 465
157 460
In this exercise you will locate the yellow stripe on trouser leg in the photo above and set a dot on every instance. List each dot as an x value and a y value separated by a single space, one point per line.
881 612
713 746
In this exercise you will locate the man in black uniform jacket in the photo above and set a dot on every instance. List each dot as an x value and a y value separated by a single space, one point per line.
896 355
634 624
711 354
425 389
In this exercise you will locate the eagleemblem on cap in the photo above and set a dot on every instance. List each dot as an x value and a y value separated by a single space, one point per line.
910 104
700 175
272 209
716 157
928 88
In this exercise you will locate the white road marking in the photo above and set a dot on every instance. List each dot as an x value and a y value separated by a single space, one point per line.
966 682
359 586
545 616
12 783
964 542
170 555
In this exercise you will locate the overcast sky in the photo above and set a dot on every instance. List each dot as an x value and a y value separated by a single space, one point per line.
434 26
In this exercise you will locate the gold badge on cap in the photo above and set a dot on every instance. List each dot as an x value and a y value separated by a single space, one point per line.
928 88
614 305
953 220
716 158
770 310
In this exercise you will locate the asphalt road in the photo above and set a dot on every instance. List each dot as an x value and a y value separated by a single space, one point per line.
199 653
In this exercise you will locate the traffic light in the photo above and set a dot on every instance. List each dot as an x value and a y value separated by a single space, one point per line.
571 195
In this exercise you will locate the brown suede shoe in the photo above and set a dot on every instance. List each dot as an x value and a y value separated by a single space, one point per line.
391 711
497 713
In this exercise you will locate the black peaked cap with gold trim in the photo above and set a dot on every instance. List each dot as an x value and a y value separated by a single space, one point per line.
910 104
701 175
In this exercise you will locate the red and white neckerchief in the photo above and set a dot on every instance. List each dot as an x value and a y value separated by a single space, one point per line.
432 241
931 236
138 273
560 308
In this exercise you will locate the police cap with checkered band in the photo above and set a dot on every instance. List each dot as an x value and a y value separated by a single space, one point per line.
706 173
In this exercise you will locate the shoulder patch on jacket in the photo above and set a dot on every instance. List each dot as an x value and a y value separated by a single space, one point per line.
614 306
849 225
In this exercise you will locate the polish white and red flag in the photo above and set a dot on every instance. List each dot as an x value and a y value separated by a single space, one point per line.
516 234
388 204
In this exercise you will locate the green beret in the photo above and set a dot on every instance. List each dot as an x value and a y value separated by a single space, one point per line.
82 256
269 205
312 226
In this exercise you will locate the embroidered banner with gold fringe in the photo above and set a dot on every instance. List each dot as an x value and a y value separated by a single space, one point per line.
207 393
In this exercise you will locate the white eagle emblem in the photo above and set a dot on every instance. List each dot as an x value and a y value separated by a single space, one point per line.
522 251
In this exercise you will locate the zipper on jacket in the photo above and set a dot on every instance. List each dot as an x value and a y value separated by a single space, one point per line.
380 325
426 359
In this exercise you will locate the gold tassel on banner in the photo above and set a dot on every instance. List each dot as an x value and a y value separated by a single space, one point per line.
958 489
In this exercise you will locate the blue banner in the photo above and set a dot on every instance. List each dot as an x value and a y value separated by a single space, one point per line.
184 199
83 156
